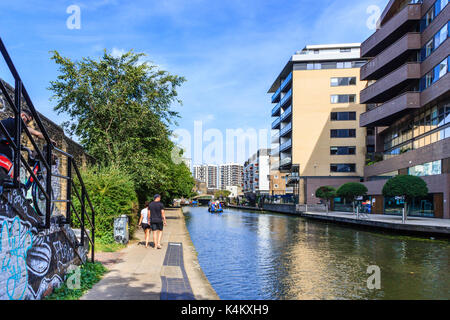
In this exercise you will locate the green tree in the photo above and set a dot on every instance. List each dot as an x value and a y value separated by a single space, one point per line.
222 194
326 193
405 186
351 191
120 108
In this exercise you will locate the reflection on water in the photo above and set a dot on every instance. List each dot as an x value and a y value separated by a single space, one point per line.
249 255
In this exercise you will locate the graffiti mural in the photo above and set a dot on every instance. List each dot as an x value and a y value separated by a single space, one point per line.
15 241
32 262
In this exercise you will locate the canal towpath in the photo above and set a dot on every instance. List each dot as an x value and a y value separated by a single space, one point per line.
170 273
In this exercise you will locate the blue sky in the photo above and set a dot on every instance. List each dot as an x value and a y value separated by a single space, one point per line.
229 51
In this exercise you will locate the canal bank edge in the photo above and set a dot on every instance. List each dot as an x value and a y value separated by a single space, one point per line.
422 230
200 284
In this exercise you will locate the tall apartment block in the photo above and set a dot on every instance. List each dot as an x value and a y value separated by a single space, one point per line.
317 139
256 174
409 105
207 174
230 175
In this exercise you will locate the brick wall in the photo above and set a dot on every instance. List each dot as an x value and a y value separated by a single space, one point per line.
64 143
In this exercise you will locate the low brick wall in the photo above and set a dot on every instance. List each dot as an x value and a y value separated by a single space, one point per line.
280 208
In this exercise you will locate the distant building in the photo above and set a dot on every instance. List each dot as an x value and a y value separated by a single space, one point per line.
256 174
277 180
187 162
207 174
230 174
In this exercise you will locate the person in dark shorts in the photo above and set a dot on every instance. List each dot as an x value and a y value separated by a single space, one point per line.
145 223
157 220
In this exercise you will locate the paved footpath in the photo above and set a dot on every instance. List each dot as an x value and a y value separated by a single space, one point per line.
171 273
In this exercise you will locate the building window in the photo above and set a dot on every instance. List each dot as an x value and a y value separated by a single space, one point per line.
434 75
343 116
343 98
426 169
435 10
427 126
345 167
346 50
276 186
343 133
341 151
345 81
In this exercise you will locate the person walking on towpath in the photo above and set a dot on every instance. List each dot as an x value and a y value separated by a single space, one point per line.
145 223
157 220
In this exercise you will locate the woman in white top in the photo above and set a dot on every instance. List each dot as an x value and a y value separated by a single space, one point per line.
143 221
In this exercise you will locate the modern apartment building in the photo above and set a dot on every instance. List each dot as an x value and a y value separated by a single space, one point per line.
409 103
317 139
207 174
256 174
277 179
230 175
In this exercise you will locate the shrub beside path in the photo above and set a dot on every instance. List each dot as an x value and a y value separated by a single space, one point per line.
137 273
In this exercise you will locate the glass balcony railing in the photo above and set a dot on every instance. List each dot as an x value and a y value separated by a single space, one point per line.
276 123
276 137
286 98
280 89
285 161
276 109
286 113
285 130
286 145
275 151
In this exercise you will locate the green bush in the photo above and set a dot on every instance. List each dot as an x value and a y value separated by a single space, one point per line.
352 190
112 194
405 186
91 273
326 193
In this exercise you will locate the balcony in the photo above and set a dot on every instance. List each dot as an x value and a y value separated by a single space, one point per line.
286 130
276 110
285 162
276 123
275 166
286 114
388 87
388 112
285 146
276 95
392 30
391 58
276 137
275 151
286 98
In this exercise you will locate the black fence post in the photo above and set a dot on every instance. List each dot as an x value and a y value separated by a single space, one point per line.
69 192
48 187
83 213
18 124
93 236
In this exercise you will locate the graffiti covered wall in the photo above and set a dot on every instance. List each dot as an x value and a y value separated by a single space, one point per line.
32 261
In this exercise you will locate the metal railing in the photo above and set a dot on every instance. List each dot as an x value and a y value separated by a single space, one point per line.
22 98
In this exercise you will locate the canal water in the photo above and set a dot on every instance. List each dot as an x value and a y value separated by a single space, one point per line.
253 255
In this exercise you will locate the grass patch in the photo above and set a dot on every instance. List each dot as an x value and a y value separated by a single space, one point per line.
91 273
108 247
